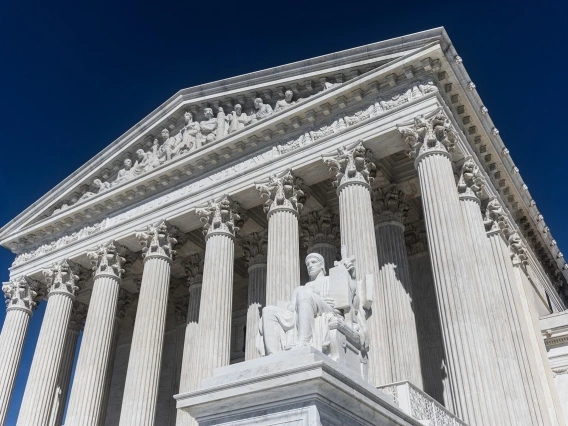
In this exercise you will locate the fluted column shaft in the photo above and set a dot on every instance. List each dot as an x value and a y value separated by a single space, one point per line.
40 387
12 340
500 354
395 286
356 219
189 377
110 366
143 374
453 277
283 258
256 301
328 251
87 393
215 312
63 381
517 331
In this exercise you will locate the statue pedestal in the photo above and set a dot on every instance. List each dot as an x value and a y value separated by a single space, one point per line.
297 387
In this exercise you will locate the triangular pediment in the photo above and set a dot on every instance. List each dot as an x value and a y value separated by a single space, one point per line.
100 187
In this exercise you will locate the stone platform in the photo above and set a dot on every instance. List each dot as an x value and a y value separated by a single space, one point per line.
297 387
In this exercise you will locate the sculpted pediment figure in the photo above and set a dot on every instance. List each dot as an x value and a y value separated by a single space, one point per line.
324 313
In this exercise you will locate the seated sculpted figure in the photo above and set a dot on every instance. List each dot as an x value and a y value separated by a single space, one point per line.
262 110
286 102
321 313
208 127
145 162
124 174
170 147
237 119
100 187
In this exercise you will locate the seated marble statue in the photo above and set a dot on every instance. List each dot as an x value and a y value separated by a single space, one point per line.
324 313
190 133
262 110
100 187
286 102
170 147
124 174
237 119
208 127
145 162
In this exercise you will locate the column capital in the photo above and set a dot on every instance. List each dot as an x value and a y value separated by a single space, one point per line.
321 227
427 136
157 241
351 165
283 191
255 247
389 205
220 217
181 304
62 278
107 261
518 250
471 182
415 238
495 219
193 268
21 294
78 316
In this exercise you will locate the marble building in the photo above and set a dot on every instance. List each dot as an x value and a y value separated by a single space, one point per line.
292 245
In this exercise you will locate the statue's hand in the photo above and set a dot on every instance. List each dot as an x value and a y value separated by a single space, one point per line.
334 322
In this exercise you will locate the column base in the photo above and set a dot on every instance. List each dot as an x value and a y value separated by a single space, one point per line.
300 386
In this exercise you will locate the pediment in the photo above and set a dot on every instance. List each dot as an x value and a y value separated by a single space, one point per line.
315 94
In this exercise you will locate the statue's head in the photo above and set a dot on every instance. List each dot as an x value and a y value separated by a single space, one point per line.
315 264
188 116
288 95
258 103
165 134
127 163
97 183
238 108
208 112
140 154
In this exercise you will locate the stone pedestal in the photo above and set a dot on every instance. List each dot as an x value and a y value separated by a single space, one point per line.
87 393
42 379
395 286
76 324
297 387
469 373
285 199
22 301
353 170
142 377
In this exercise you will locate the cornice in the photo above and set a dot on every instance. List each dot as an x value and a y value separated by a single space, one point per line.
335 62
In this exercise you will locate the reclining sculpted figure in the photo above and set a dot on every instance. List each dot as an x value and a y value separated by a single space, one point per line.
324 313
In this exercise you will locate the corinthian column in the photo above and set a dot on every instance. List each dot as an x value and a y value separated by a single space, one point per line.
42 379
189 378
320 234
467 352
255 247
22 298
353 170
76 324
285 199
514 343
87 393
215 311
142 377
395 287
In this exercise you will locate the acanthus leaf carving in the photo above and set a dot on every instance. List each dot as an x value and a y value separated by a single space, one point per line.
415 238
255 247
351 165
434 134
78 316
157 240
124 301
193 268
62 278
518 249
106 260
22 293
471 181
495 218
220 216
320 227
284 191
389 204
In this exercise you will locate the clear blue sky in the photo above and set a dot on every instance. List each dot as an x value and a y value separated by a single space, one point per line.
76 75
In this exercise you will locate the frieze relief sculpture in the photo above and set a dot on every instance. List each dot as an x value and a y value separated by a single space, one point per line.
324 313
194 135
